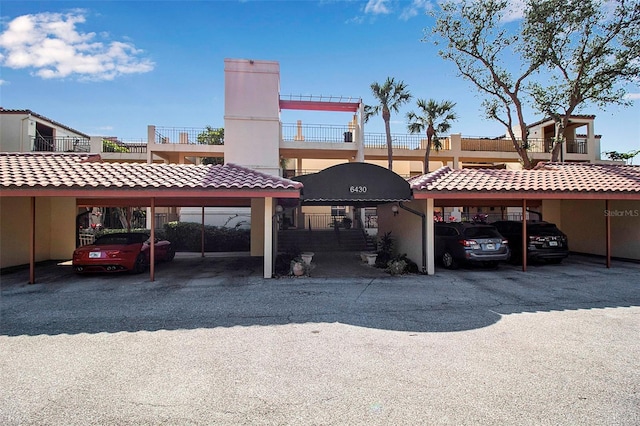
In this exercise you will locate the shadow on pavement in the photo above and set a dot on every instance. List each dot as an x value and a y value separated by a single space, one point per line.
193 293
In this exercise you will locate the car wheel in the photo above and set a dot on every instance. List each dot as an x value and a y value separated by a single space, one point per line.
141 264
448 261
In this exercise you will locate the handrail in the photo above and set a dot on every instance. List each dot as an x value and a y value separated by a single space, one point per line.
60 144
343 134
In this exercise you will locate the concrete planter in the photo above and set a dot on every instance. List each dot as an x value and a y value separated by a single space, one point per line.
307 257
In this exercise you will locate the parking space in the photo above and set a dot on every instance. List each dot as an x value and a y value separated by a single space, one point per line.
191 267
212 342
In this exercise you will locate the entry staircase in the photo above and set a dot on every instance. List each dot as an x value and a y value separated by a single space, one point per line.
324 240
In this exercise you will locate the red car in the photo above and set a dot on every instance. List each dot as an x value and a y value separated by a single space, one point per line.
126 251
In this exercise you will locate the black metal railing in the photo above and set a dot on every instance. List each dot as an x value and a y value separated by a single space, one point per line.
182 135
577 147
322 221
60 144
316 133
300 132
129 146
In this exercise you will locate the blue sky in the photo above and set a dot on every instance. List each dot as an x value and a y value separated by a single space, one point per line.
112 68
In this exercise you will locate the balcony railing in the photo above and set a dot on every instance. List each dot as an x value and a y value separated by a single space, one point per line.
579 146
181 135
316 133
60 144
298 132
402 141
502 145
129 146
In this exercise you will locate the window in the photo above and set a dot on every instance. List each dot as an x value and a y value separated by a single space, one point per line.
338 210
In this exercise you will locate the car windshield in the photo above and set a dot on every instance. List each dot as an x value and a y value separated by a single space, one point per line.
121 239
482 232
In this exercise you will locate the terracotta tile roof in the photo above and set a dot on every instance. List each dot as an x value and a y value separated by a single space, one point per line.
547 177
574 116
61 170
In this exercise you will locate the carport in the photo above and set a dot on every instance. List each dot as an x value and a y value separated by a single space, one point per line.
610 186
88 181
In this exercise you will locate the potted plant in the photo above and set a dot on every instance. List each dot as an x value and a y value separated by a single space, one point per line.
299 267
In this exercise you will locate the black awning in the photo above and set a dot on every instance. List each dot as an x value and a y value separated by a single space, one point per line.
353 184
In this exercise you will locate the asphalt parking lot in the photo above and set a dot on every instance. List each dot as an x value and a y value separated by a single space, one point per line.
211 342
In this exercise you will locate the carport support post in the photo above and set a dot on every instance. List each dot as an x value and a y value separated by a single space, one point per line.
524 235
202 234
607 218
152 247
269 211
32 243
430 231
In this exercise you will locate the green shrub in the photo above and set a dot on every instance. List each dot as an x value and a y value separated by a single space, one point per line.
283 262
111 146
187 236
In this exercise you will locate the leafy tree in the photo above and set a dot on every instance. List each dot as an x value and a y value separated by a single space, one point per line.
434 117
570 53
211 136
590 50
391 95
479 46
109 145
622 156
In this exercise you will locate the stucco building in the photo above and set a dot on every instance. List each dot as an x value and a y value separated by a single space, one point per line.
471 173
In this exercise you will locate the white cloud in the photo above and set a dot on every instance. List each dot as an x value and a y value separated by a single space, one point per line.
377 7
3 82
50 45
515 11
416 8
632 96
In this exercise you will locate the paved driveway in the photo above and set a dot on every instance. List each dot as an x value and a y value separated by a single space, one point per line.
556 345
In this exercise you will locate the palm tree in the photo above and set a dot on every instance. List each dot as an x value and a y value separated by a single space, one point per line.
391 96
432 112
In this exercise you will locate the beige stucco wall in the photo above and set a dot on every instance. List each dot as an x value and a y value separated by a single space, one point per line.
257 226
584 222
551 212
405 229
55 229
62 222
13 132
252 114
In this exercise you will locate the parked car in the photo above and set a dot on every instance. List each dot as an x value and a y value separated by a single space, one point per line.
117 252
545 242
459 242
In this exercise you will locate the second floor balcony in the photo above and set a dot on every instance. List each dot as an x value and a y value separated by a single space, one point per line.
60 144
297 135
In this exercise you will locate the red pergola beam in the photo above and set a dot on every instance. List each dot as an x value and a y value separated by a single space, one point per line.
320 106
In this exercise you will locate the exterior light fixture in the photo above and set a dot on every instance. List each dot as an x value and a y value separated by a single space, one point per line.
279 209
394 209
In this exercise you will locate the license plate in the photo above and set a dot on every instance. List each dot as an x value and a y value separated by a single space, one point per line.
95 254
490 246
553 243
